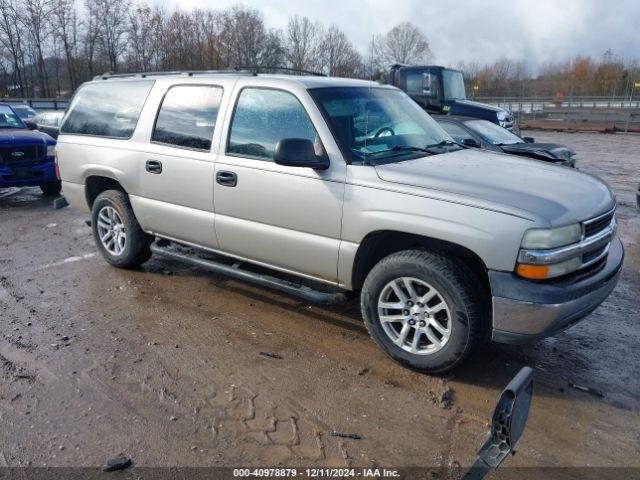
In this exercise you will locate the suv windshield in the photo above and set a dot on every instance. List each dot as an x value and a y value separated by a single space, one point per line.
373 124
9 119
453 85
492 133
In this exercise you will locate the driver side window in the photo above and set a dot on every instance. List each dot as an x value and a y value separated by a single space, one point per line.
262 118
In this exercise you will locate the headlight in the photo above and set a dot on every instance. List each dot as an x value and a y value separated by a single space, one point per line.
502 115
541 272
543 238
548 239
51 150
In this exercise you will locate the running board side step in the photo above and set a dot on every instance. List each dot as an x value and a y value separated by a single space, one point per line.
235 271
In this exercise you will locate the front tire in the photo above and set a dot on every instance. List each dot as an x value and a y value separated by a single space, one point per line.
423 309
51 189
116 231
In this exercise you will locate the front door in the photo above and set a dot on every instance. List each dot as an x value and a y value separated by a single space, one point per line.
285 217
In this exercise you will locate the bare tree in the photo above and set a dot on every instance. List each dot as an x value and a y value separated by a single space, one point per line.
11 40
90 35
303 44
245 41
339 56
405 43
114 29
65 25
34 21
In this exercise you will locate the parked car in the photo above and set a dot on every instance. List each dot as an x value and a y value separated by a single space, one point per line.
441 90
489 136
26 156
349 186
24 111
49 122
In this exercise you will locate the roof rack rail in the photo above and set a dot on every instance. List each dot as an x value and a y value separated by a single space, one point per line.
259 68
189 73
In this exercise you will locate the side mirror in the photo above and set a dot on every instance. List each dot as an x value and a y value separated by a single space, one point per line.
529 139
470 142
507 426
30 124
299 152
426 84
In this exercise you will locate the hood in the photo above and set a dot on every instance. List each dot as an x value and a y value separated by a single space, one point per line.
464 107
553 151
552 194
10 136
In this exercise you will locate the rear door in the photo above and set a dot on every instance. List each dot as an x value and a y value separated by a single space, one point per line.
177 167
285 217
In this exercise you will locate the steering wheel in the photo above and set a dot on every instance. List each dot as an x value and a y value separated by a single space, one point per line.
383 130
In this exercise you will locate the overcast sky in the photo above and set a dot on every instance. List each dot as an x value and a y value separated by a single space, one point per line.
480 30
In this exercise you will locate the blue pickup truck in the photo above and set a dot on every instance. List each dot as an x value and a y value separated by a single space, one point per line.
26 155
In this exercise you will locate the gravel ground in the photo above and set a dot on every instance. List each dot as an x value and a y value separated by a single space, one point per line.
163 364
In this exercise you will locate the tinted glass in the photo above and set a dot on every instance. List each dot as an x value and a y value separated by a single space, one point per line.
8 118
377 123
453 85
493 133
24 112
264 117
108 108
458 133
414 83
187 116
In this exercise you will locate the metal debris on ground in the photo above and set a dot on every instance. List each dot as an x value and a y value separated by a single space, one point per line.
118 463
350 436
271 355
592 391
363 371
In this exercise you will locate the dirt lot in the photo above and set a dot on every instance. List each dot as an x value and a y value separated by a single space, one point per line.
163 364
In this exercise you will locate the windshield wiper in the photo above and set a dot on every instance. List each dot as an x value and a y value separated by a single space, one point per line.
401 149
443 143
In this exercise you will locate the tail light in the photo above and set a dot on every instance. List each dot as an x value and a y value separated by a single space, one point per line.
55 156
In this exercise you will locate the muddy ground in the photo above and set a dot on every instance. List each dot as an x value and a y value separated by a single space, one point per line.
163 364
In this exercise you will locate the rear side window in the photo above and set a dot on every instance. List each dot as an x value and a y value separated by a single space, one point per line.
107 109
187 116
262 118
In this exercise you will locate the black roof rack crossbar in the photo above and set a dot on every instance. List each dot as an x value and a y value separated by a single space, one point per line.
190 73
258 68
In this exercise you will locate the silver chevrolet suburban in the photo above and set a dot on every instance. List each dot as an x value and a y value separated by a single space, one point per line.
323 187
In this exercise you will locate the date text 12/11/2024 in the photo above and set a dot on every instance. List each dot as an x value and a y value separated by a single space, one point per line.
316 472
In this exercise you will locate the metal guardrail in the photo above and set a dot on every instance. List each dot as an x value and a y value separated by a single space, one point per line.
533 105
39 103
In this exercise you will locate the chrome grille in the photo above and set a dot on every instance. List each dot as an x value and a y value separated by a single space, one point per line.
596 225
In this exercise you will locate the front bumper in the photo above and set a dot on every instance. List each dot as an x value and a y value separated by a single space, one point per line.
19 175
524 311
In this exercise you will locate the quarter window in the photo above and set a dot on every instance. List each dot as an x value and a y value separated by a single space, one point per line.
262 118
109 108
187 116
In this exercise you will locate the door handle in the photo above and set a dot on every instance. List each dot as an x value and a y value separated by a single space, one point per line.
228 179
153 166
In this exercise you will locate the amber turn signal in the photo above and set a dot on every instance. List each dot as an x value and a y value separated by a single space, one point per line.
534 272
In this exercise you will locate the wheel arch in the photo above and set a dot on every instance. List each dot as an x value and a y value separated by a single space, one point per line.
98 183
379 244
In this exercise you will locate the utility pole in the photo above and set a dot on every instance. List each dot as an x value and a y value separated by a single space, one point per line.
633 86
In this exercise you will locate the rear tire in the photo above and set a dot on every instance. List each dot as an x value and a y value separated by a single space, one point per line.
116 231
423 309
51 189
